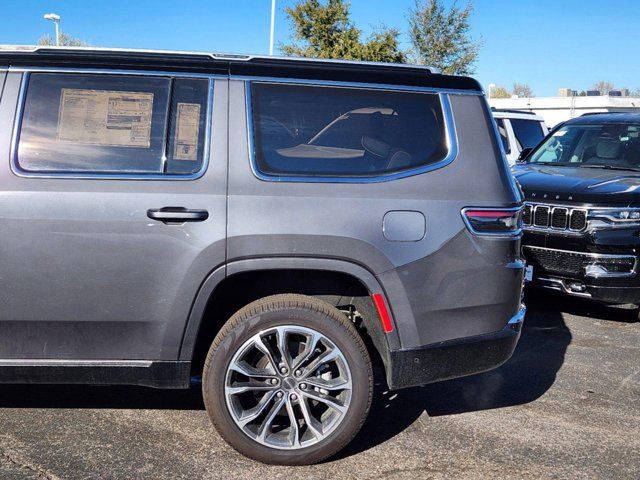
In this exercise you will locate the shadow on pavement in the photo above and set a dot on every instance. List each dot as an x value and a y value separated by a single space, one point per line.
526 377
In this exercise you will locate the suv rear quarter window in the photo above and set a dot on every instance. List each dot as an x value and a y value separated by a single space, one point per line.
110 124
302 130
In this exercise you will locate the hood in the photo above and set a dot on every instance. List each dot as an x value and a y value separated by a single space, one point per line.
578 185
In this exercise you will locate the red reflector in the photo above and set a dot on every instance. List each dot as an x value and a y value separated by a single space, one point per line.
488 213
385 318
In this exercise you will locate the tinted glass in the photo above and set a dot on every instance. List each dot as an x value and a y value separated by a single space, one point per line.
187 126
76 123
592 145
503 135
327 131
528 133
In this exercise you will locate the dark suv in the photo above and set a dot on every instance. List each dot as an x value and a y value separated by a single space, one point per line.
582 212
274 225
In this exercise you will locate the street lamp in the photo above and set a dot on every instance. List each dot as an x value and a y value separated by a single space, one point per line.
56 21
273 21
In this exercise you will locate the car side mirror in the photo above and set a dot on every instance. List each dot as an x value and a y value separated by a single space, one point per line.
524 154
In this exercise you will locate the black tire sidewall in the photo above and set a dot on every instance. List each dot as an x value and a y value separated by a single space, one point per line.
349 344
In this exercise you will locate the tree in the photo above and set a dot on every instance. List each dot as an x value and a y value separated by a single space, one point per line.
603 87
440 38
522 90
65 40
499 92
325 31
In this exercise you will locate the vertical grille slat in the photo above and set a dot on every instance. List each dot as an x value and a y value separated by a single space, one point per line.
578 220
554 217
541 216
526 214
559 218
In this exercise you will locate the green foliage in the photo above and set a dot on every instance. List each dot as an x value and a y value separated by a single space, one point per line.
65 40
499 92
326 31
441 38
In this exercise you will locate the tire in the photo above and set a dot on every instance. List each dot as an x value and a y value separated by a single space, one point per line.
331 380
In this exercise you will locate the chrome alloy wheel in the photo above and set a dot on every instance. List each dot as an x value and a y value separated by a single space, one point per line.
288 387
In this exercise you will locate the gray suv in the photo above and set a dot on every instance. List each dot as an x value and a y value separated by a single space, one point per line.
274 225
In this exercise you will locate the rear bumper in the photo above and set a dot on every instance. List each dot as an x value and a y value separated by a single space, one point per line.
454 358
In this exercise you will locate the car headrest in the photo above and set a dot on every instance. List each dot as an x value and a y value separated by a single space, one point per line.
377 147
609 149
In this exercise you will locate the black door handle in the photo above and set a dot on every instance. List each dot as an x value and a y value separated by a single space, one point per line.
177 215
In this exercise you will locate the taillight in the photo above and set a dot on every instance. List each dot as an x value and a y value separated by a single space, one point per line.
493 221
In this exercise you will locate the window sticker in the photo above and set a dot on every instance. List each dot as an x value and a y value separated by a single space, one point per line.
187 130
107 118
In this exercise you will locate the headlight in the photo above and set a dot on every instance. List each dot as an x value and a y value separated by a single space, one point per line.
616 215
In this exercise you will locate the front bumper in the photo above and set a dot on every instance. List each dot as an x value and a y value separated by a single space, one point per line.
454 358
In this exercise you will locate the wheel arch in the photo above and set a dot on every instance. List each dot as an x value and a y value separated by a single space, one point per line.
203 324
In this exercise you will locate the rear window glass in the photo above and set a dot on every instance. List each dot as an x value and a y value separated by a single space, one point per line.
528 133
335 131
81 123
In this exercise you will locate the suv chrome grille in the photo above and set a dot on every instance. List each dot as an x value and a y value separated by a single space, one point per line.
554 217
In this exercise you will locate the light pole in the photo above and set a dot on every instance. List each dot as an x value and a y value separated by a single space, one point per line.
56 21
273 23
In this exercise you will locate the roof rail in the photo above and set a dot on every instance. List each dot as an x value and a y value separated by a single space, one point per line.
212 55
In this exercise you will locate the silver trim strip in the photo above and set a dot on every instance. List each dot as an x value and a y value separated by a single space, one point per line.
74 363
450 136
15 137
558 285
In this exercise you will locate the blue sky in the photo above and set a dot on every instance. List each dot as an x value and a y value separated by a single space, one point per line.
546 43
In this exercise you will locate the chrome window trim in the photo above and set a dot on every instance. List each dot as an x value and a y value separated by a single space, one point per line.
510 235
449 131
594 256
17 124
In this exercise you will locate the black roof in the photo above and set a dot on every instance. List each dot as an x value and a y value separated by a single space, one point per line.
606 117
244 65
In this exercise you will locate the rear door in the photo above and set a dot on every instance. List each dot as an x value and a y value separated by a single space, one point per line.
112 210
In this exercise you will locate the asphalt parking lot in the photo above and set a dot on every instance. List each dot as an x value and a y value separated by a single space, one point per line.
566 406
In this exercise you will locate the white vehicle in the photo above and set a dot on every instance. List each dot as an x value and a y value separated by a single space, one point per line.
519 130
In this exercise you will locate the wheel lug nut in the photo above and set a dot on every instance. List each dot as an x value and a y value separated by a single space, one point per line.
303 386
298 373
274 381
279 394
283 370
294 397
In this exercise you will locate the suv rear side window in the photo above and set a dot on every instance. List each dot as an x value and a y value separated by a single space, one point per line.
91 123
304 130
528 132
